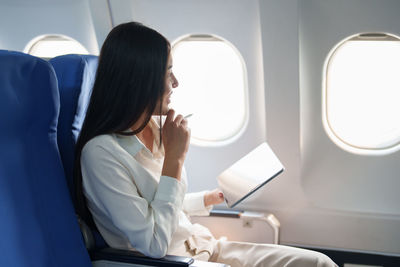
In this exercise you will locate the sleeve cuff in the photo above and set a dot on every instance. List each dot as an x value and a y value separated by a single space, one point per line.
170 190
193 204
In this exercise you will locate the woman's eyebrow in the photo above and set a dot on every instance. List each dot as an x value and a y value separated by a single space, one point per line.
170 67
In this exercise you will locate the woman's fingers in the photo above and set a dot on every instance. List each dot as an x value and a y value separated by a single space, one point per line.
184 122
178 120
176 136
170 116
219 195
213 197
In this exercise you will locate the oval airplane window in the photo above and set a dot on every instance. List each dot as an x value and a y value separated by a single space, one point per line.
361 93
212 86
49 46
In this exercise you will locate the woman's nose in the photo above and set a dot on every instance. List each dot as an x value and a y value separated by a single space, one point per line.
175 82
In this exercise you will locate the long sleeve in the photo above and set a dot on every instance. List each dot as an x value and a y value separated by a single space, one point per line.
193 204
111 189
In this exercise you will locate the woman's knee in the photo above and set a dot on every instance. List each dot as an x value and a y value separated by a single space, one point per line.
318 259
309 258
325 261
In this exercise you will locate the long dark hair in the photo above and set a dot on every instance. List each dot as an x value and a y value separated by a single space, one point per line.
129 82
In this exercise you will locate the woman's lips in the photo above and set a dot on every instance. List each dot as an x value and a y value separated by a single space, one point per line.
169 98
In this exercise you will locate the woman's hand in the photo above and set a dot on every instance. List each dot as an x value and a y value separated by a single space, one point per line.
176 138
213 197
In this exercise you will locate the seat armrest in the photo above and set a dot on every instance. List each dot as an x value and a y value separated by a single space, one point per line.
268 218
225 213
134 257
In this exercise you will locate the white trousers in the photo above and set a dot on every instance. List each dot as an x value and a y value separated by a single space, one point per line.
204 247
242 254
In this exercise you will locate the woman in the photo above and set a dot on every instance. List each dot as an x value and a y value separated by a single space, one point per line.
129 172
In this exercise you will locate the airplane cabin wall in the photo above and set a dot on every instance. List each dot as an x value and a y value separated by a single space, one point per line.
364 188
361 180
327 197
23 20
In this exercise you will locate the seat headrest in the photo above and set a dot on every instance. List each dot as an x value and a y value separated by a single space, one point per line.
28 87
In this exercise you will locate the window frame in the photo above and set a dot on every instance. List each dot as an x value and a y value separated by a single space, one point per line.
32 43
329 130
243 125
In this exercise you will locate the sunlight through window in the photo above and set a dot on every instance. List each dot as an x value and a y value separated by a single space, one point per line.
212 86
362 93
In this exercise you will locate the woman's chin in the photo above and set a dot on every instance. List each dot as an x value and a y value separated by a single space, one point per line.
164 111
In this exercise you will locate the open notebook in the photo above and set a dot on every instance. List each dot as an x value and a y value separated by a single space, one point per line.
249 174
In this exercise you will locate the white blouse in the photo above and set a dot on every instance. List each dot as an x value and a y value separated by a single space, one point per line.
132 204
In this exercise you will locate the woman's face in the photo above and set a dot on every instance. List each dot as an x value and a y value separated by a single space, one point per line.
170 83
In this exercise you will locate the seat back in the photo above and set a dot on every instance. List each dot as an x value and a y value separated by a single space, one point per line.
75 75
38 226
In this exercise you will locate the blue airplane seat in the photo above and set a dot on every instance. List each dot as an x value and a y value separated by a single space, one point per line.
75 75
38 226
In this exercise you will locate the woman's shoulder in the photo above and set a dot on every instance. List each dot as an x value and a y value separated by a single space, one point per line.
100 144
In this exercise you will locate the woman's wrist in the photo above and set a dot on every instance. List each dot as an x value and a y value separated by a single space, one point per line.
172 168
206 199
